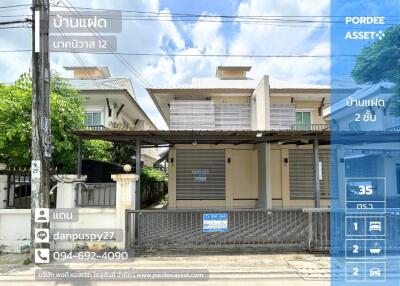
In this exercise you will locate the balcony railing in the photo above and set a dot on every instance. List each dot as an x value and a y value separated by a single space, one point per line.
95 127
394 128
310 127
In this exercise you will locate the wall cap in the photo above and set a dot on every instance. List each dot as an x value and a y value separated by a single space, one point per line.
125 177
71 178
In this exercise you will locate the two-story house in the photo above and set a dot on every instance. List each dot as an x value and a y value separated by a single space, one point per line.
111 102
215 173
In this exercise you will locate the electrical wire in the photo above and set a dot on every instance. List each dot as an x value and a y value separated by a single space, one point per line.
141 79
194 55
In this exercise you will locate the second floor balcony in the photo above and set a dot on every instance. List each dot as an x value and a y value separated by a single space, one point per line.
310 127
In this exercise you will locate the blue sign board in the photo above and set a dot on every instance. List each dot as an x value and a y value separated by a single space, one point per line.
216 222
365 149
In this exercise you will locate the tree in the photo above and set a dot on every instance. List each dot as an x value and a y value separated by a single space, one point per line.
381 62
67 114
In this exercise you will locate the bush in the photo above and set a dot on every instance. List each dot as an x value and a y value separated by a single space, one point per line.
149 174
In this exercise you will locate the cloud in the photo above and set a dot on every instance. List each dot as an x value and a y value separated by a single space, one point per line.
284 38
196 38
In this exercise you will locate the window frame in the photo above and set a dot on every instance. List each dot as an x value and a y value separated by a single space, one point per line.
92 111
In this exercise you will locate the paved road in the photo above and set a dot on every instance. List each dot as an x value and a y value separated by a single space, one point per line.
243 270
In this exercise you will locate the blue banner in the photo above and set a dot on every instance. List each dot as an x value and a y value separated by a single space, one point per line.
365 123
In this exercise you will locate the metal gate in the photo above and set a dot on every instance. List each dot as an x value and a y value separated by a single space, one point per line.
200 174
285 229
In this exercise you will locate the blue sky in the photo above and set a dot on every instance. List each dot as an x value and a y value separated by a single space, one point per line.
194 38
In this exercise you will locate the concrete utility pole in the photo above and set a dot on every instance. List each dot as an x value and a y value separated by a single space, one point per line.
41 144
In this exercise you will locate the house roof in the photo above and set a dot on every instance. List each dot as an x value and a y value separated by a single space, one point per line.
363 91
102 84
244 68
172 137
210 83
213 83
112 84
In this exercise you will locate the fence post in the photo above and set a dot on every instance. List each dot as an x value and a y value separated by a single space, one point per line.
124 200
3 191
310 230
66 192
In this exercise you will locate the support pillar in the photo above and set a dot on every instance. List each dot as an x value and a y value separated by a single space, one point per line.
317 189
137 194
138 169
264 176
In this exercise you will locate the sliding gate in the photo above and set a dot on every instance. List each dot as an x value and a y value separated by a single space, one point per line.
284 229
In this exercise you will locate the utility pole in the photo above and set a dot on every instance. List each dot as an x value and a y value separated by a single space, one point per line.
41 130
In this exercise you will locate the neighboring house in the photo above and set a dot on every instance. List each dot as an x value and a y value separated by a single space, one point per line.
344 117
110 101
243 175
370 160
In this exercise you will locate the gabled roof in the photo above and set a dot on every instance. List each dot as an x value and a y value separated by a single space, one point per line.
364 91
103 84
211 83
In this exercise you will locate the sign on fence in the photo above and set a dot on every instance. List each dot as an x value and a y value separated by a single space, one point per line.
215 222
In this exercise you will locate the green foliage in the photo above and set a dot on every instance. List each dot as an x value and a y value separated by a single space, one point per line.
67 114
381 62
149 174
121 153
97 150
27 261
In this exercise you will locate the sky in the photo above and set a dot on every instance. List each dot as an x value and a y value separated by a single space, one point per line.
196 37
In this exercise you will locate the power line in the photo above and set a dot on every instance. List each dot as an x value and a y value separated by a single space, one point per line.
118 56
277 21
14 6
15 22
193 55
221 16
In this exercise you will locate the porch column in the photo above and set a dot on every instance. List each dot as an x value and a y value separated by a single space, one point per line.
341 175
317 190
138 168
264 176
137 194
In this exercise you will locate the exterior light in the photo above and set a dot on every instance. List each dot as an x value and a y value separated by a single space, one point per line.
127 168
259 135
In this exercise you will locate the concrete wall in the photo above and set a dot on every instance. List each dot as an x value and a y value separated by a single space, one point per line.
15 223
15 228
260 105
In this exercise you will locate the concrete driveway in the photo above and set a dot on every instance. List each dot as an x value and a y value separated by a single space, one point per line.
229 269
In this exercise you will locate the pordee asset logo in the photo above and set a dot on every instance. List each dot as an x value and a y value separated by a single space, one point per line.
362 34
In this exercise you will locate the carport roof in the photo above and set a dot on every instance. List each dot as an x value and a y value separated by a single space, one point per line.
172 137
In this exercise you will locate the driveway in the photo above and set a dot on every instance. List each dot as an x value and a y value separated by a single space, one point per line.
229 269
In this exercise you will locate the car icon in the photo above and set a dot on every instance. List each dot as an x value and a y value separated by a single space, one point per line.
375 272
